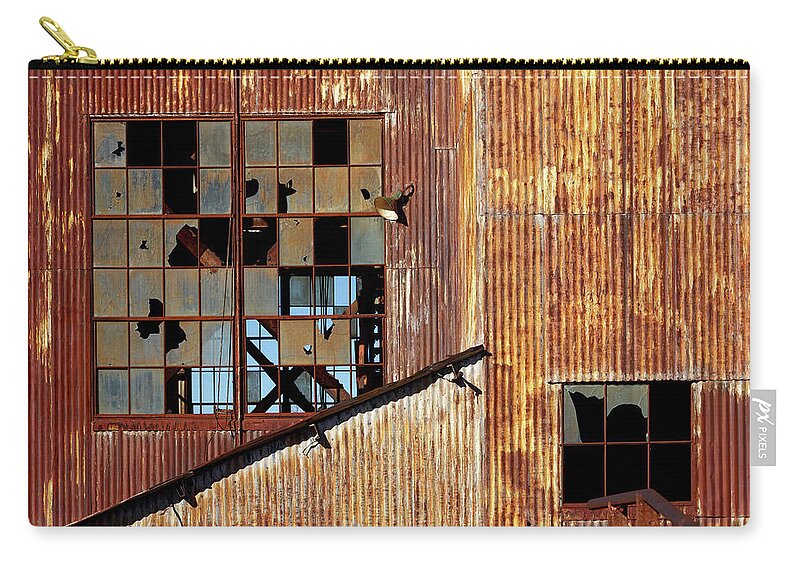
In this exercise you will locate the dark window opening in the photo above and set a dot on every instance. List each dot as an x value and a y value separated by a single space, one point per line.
260 241
215 241
670 468
180 143
583 473
180 191
330 141
330 241
143 143
641 432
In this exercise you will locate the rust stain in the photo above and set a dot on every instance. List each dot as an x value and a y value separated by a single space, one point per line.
585 225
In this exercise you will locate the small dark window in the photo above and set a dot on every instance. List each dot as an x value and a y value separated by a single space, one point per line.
330 241
144 143
640 432
180 143
180 191
583 473
330 141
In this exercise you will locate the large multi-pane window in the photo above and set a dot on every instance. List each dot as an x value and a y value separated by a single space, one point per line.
241 278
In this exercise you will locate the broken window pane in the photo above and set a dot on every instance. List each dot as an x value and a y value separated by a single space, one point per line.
297 394
180 290
216 292
215 143
365 186
330 190
365 141
330 241
368 378
216 348
109 243
178 388
297 342
147 391
215 241
260 241
295 190
334 384
671 470
262 390
111 292
111 344
146 293
144 143
626 468
147 343
109 144
110 192
294 142
583 414
215 191
583 473
627 412
367 290
145 243
333 341
180 143
366 241
182 343
262 334
670 411
367 336
112 391
260 291
295 292
332 291
144 191
180 191
259 189
330 141
181 243
259 142
296 237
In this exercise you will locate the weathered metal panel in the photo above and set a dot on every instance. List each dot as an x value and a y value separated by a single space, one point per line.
409 458
147 92
722 451
592 225
587 272
73 470
711 287
711 141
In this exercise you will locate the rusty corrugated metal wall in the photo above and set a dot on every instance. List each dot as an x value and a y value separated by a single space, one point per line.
617 216
584 225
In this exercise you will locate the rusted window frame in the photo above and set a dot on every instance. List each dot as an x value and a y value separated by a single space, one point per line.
239 418
579 510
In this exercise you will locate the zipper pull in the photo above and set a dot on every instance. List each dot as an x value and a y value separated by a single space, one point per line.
72 52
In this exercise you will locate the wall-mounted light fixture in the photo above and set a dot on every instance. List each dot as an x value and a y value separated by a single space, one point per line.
391 207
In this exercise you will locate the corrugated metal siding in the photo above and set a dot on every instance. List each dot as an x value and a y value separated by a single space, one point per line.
630 280
409 458
102 472
592 225
75 471
722 450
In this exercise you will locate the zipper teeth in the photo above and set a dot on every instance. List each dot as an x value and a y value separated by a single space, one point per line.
378 63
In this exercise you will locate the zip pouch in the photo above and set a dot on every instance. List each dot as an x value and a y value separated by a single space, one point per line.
387 292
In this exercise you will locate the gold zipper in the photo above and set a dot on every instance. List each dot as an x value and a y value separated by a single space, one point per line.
72 58
72 52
